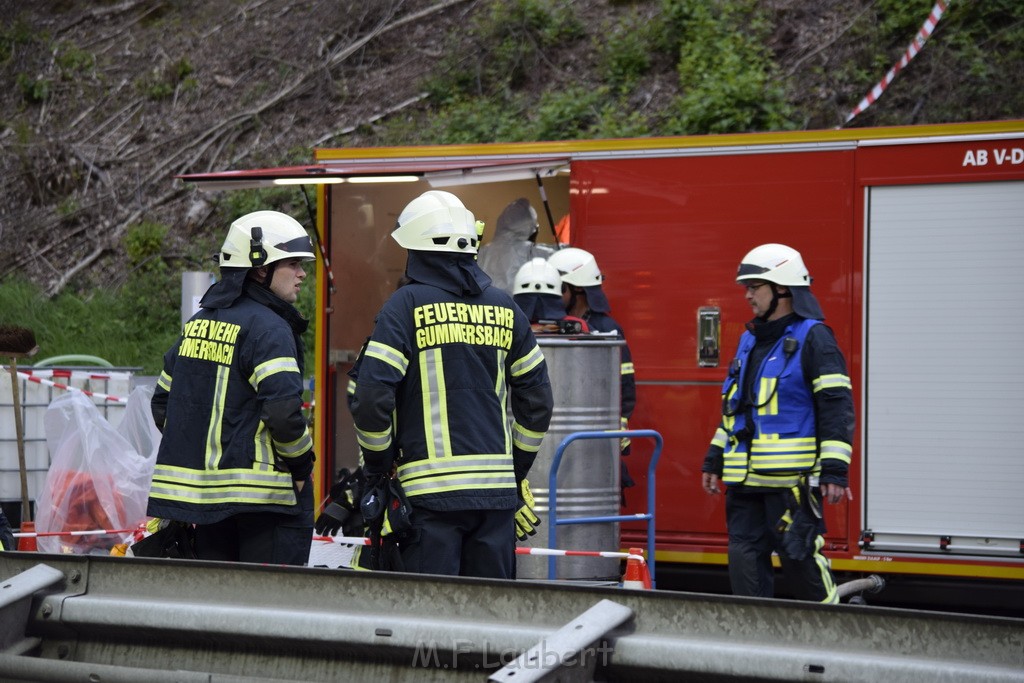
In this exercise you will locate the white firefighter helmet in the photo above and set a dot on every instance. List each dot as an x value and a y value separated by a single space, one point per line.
263 237
576 267
436 221
537 276
774 263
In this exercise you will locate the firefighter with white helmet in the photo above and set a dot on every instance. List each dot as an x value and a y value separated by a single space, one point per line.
236 453
537 290
448 354
785 440
584 298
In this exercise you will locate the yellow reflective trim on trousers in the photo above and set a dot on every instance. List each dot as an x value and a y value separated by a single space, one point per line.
766 390
831 590
836 381
389 355
435 404
164 382
213 430
626 369
272 367
528 362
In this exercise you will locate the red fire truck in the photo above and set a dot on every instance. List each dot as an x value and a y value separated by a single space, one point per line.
914 237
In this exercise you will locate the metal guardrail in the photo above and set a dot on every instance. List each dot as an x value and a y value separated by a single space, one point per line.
98 618
554 522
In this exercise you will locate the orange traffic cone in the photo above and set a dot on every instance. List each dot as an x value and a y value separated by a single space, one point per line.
27 542
637 576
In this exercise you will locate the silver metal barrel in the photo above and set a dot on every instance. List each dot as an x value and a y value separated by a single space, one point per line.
584 375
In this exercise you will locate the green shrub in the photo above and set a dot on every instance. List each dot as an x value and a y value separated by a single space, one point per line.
728 79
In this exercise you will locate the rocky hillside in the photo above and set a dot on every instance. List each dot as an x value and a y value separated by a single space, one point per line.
105 102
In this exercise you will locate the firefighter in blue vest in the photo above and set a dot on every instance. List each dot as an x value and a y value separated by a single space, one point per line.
448 358
236 454
584 298
785 440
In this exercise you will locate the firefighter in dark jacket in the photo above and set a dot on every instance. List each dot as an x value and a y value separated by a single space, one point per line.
785 439
584 298
449 355
236 453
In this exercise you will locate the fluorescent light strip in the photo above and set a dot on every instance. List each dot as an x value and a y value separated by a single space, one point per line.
383 179
312 180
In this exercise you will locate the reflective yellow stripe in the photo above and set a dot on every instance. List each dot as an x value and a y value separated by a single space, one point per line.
294 448
213 431
528 362
501 390
373 441
272 367
389 355
264 452
526 439
772 480
435 404
831 591
720 438
766 390
837 450
457 473
831 382
626 369
211 487
770 453
164 382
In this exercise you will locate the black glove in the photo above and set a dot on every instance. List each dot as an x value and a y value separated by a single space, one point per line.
332 519
374 499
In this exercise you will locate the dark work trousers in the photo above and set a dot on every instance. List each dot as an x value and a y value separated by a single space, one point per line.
462 543
261 537
752 517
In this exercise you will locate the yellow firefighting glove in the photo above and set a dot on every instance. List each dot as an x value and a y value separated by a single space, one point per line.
526 519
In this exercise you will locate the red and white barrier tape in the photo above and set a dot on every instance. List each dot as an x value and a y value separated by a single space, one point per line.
106 397
39 380
579 553
353 540
923 34
89 532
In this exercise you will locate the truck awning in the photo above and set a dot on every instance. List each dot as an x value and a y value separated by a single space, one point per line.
438 172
